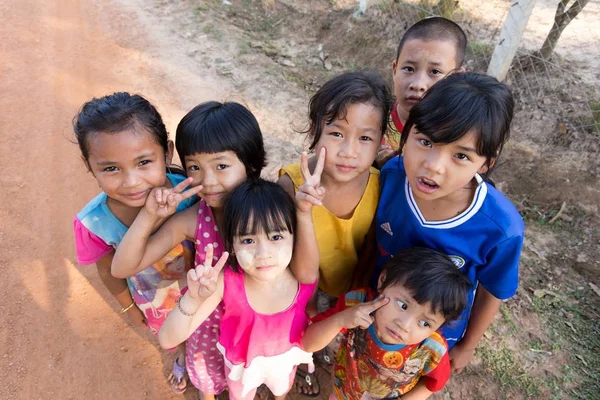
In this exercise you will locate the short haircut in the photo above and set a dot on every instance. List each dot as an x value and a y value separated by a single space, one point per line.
440 29
257 205
332 100
432 277
214 127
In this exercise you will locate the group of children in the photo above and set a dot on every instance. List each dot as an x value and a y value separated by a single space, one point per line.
392 275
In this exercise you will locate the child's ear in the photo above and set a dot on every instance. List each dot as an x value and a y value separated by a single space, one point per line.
394 66
380 281
170 151
486 166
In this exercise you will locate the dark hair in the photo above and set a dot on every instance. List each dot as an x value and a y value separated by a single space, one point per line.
332 99
437 28
432 277
214 127
116 113
461 103
257 205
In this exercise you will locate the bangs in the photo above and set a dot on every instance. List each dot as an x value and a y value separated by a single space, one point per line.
255 206
461 104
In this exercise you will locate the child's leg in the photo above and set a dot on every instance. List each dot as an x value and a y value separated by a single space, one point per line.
178 379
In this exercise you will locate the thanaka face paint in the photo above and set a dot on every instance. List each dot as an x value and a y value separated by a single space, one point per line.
264 256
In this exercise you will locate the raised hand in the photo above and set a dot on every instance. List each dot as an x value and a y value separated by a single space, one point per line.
202 280
310 193
360 315
163 202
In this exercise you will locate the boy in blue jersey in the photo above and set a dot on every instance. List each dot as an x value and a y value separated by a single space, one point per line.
437 195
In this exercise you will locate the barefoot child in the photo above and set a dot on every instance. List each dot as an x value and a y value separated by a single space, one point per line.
221 146
428 51
265 303
390 347
436 195
125 145
348 117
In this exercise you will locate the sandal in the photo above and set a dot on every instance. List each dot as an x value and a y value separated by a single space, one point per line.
179 374
307 378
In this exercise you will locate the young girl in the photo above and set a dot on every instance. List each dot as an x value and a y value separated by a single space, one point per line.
125 145
348 117
436 195
220 146
265 303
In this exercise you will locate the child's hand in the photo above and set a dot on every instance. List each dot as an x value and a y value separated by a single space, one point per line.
202 280
460 355
163 202
384 154
310 192
137 317
360 315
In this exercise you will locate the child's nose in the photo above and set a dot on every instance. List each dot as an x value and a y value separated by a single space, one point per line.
131 180
419 83
349 149
435 162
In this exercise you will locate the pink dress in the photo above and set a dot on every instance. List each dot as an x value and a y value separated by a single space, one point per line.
260 348
203 361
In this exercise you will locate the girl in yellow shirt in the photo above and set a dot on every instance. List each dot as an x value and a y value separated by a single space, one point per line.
348 118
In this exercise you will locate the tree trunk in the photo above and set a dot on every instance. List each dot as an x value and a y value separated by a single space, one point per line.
561 20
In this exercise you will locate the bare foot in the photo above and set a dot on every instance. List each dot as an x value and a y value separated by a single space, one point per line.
178 379
306 383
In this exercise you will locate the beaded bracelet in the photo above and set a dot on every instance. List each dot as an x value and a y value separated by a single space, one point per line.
187 314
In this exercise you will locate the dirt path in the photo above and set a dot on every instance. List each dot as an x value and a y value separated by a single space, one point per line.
61 337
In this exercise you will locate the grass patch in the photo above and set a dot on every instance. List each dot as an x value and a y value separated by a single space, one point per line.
509 373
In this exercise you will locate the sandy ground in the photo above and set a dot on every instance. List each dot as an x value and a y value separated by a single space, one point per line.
61 337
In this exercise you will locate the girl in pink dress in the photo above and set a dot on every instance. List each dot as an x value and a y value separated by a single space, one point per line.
220 146
265 301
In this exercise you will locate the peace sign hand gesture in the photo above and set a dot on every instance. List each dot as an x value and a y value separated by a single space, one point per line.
202 280
162 202
310 192
360 315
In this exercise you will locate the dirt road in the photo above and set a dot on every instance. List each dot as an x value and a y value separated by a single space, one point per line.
60 336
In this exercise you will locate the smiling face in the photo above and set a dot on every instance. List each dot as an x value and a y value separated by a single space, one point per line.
436 170
351 142
218 173
127 165
264 256
403 320
421 63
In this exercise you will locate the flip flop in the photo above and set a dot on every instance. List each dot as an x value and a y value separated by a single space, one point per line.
180 374
310 379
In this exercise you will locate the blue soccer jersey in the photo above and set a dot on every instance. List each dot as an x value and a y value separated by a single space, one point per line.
484 241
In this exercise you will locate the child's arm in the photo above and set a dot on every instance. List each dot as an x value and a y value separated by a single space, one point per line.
320 334
419 392
205 292
484 309
139 249
118 288
305 263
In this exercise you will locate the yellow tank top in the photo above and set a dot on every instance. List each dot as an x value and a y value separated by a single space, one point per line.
340 239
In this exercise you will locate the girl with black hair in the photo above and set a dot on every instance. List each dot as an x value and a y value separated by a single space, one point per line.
220 146
125 146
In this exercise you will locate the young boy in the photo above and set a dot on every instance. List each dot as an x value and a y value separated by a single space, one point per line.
429 50
390 346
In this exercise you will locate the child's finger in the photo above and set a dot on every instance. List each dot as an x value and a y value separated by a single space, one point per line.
157 195
376 304
209 256
320 164
221 263
311 199
309 190
191 192
182 185
321 191
192 276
